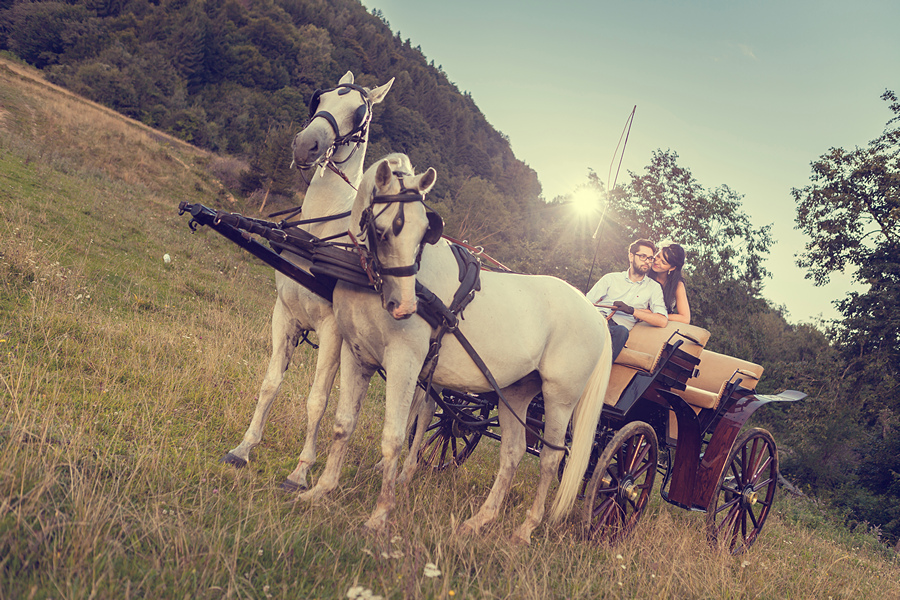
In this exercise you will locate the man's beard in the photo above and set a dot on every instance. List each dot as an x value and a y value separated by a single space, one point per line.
640 268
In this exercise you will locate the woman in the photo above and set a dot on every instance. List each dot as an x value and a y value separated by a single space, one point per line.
666 271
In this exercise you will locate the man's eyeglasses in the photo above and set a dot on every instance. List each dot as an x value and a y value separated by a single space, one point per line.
644 257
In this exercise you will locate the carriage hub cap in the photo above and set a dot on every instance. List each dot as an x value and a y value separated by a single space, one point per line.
750 497
628 490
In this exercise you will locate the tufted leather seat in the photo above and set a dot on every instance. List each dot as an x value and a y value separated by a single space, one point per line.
644 350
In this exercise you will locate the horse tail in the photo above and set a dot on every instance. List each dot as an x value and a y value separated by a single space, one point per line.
584 427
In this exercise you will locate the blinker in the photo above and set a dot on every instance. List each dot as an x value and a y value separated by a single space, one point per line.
435 228
399 220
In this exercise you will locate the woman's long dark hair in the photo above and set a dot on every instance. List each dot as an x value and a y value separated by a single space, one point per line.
674 255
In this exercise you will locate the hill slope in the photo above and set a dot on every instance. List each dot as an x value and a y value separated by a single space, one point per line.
124 379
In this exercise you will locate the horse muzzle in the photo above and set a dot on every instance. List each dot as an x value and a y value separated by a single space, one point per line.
309 148
401 310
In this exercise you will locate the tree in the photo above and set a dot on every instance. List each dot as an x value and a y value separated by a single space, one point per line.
725 253
851 212
853 204
666 202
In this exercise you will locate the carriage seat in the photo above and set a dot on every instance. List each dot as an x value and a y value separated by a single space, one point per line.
715 372
643 352
646 342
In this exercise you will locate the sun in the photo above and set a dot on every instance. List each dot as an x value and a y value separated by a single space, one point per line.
586 202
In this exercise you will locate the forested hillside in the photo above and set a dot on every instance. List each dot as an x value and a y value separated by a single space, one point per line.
235 77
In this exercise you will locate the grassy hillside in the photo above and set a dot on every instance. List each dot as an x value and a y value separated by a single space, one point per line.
123 380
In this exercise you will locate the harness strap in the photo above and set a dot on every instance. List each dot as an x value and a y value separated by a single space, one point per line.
470 270
487 374
297 210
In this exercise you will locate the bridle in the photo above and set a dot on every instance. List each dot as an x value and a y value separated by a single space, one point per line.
373 236
356 136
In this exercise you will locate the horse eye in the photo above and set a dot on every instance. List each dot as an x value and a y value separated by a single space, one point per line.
397 226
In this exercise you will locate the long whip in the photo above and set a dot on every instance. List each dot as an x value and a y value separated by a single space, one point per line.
626 131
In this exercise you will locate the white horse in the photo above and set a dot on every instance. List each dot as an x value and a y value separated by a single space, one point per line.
338 133
535 333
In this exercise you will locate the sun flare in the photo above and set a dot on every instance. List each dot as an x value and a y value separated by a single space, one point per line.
586 201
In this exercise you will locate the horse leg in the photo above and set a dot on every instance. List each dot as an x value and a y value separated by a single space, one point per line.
556 420
354 384
512 449
327 362
285 335
401 387
420 414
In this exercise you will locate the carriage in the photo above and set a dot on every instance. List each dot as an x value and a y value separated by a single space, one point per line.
672 408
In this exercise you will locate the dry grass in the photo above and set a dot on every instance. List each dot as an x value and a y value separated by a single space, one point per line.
123 380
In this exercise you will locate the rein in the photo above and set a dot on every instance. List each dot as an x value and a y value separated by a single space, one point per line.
299 209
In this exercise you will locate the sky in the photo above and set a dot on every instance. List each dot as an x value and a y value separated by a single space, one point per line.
748 94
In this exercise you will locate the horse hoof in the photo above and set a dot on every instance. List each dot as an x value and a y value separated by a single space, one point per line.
374 526
310 496
289 486
518 540
234 460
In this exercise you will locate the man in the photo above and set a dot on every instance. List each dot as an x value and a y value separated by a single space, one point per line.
635 296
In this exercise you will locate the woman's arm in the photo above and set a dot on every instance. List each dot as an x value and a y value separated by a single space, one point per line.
682 312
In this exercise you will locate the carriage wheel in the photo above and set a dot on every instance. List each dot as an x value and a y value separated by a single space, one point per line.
746 490
448 442
621 484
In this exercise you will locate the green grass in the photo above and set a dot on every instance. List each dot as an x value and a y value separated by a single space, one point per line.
123 380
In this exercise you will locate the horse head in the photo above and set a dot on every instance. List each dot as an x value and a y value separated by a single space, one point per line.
396 225
338 117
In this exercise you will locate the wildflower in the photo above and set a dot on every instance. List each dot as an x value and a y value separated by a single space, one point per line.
620 557
167 259
361 592
431 570
260 553
745 563
451 593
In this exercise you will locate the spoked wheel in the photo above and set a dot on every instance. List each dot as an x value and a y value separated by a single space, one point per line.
743 498
621 484
449 441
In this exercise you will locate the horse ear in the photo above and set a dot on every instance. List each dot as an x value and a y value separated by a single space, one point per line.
427 181
377 95
383 174
435 228
347 78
